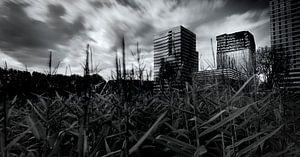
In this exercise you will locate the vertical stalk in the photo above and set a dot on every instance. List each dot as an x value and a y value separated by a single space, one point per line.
126 152
86 68
124 97
44 151
195 106
5 125
123 53
50 63
92 68
233 138
5 65
85 124
220 108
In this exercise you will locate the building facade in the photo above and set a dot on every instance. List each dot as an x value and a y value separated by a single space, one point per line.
226 73
285 36
175 58
226 76
236 51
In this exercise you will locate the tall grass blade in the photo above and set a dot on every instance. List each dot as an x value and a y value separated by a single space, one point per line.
2 145
107 146
213 118
244 140
34 128
200 151
14 100
82 141
281 153
38 111
57 111
16 139
226 120
112 153
56 145
258 142
241 89
148 133
177 146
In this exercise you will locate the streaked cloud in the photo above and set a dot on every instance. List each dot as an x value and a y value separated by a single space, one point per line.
28 30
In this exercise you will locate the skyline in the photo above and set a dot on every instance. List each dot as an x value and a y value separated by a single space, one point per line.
66 28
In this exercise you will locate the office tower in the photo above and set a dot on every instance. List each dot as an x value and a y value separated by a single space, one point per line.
175 58
236 51
285 36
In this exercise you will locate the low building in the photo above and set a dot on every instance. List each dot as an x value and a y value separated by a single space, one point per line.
225 76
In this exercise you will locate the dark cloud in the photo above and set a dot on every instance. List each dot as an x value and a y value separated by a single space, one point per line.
239 7
141 32
242 6
56 10
63 31
145 31
100 4
117 32
233 7
129 3
19 32
177 3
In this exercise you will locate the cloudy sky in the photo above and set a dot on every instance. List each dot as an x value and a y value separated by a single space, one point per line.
29 29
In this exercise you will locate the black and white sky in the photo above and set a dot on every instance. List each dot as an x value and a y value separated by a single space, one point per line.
29 29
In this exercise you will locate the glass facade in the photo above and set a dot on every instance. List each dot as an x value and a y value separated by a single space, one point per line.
285 36
236 51
175 55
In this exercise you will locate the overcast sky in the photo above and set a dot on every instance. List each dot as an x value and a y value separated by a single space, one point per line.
29 29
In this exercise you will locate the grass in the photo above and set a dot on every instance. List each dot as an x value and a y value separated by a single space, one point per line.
189 125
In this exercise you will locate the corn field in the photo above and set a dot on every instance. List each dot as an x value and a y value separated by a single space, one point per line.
197 122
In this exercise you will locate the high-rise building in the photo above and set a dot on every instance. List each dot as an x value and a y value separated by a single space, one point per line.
236 51
285 36
175 57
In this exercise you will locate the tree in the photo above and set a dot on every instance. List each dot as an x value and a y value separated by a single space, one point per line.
139 59
273 66
167 73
